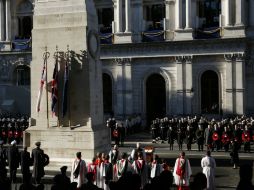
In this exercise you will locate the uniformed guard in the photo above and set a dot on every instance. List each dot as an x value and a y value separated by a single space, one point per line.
246 139
171 138
200 138
216 138
180 137
225 139
189 138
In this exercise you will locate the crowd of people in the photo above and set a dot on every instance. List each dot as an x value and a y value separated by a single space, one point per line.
228 133
118 170
12 127
13 158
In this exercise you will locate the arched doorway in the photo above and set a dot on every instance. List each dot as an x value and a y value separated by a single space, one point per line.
210 93
155 97
107 94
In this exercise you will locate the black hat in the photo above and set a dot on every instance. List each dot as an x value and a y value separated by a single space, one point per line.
38 143
63 168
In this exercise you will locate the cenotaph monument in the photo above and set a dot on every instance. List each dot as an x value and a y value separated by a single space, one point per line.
61 28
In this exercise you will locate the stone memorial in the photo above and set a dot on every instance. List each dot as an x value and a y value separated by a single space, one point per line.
67 28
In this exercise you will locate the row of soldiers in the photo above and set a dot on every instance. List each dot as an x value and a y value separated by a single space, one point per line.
215 134
12 129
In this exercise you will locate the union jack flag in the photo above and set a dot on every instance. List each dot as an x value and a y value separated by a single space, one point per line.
43 79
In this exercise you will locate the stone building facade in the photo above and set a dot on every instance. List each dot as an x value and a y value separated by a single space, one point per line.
160 57
15 55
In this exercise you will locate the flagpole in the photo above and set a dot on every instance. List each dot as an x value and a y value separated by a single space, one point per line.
69 100
46 56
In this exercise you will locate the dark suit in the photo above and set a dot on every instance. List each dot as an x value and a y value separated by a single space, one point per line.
25 162
38 164
13 161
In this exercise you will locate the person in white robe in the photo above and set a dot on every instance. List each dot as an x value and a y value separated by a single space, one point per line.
156 167
122 167
208 164
78 170
182 172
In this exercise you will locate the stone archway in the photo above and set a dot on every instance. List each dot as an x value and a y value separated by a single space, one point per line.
155 97
210 93
107 93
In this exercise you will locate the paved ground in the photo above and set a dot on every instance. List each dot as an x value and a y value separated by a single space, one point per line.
226 177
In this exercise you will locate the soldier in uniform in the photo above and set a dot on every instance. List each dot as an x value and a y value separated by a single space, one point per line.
180 137
246 139
200 138
163 129
13 160
154 131
216 138
116 134
225 139
171 138
189 137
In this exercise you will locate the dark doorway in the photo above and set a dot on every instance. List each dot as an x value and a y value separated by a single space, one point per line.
210 93
155 97
107 94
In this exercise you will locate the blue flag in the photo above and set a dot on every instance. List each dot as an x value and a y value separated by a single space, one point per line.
65 89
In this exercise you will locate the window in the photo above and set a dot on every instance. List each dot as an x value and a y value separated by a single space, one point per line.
209 12
22 75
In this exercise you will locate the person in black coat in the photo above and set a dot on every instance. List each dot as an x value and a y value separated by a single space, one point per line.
61 181
3 156
234 154
171 138
13 160
200 138
38 163
25 163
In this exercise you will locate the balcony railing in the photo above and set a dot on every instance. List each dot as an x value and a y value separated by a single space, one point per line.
208 33
22 44
153 36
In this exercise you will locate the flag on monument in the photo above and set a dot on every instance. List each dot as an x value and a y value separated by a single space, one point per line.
43 79
54 91
65 89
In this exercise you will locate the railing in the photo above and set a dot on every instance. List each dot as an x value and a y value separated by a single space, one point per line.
106 38
153 36
22 44
208 33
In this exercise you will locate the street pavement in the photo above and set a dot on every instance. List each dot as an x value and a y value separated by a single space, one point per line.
226 177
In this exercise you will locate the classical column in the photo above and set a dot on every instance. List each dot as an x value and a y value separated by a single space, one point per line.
240 12
120 104
240 82
180 85
188 15
2 21
188 84
128 87
229 105
128 15
119 16
228 14
178 14
8 20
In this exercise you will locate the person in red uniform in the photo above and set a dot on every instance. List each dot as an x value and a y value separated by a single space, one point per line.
225 139
246 139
